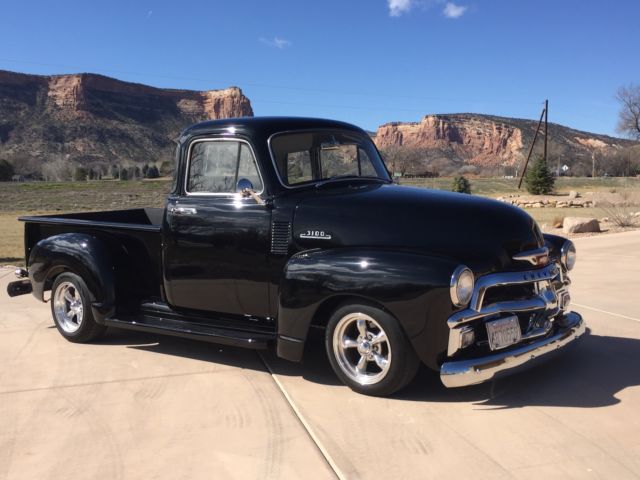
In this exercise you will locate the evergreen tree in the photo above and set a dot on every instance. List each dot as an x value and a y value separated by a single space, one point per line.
539 179
6 171
461 185
80 174
124 174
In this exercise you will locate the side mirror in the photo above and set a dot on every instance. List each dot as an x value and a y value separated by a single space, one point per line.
244 184
245 188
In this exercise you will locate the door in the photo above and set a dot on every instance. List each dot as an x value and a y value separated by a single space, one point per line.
216 241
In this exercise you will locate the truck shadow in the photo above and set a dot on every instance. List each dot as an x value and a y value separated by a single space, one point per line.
588 376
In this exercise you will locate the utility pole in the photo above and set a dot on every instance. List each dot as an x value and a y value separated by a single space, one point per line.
535 137
546 128
593 165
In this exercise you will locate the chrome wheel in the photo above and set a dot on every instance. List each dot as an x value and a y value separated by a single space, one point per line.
362 348
67 307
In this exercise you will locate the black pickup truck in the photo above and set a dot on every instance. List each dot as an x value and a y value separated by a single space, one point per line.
275 225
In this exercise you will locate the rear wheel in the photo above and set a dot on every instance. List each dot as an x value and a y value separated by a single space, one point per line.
369 351
71 309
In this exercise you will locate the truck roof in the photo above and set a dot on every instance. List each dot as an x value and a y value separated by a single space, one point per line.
267 126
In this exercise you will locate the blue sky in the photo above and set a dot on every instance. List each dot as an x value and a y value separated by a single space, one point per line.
363 61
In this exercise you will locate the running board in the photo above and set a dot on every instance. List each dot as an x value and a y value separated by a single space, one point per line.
195 331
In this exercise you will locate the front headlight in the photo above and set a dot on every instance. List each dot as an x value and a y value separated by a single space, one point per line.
461 287
568 255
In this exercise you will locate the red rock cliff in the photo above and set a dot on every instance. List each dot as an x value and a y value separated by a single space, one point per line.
90 118
478 140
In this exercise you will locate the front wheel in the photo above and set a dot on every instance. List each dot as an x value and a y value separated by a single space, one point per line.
369 351
71 309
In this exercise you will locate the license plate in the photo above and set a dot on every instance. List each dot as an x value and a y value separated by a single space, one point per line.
504 332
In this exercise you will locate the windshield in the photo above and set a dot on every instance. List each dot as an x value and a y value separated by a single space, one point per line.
307 157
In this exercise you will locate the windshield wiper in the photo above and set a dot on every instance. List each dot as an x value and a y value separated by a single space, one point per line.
350 177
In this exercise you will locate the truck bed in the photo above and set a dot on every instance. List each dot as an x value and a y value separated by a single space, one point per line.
133 237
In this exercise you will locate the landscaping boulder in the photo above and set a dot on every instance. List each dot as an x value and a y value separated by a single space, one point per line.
580 225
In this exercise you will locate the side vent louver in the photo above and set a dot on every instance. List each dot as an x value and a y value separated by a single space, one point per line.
280 235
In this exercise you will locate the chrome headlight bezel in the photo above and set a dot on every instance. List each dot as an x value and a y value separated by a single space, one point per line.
460 293
568 255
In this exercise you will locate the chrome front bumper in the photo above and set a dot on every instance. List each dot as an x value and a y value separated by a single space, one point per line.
470 372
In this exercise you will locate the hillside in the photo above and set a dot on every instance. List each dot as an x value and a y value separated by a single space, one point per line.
96 120
490 142
53 123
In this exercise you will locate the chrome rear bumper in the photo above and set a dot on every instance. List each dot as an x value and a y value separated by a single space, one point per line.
470 372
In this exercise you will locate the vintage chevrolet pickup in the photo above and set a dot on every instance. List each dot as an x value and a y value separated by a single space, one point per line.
275 225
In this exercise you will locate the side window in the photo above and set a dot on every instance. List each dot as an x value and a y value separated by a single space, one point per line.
299 167
216 166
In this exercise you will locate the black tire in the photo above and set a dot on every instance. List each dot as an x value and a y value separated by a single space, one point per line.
344 328
79 331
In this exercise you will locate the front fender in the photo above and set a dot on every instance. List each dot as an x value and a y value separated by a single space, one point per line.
414 288
82 254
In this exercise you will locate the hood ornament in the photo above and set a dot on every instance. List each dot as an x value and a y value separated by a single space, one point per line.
537 257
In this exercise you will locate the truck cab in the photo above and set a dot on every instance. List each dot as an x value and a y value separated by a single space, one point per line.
275 225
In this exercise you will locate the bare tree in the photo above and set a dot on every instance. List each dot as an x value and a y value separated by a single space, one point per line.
629 116
59 169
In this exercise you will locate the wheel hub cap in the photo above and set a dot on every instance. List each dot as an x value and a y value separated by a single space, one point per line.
67 307
361 348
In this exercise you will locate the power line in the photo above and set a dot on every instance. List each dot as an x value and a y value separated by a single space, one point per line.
272 86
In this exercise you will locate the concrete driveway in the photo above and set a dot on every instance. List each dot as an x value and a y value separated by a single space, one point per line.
141 406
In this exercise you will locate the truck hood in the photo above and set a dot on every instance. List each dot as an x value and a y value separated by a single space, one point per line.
482 233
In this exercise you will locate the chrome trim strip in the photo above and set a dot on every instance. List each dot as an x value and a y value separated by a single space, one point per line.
218 194
470 372
533 256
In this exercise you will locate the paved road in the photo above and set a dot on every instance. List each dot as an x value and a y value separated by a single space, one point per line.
139 406
144 406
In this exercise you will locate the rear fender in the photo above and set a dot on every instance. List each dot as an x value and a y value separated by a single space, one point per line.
82 254
413 288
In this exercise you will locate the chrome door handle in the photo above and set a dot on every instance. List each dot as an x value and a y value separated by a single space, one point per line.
182 211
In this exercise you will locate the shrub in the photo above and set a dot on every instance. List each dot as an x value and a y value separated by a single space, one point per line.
539 179
621 213
461 185
152 172
124 174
